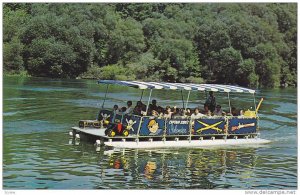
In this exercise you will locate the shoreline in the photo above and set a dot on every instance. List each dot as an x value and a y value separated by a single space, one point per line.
26 75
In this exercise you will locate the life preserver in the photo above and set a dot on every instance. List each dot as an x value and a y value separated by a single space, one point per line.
119 127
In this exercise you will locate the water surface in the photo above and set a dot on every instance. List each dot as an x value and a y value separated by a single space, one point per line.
38 154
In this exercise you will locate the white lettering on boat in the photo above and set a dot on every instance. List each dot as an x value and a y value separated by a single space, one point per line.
180 128
178 122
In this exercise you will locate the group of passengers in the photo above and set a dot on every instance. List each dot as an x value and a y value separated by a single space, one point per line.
210 109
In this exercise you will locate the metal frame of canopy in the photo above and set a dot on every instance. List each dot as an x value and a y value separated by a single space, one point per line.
179 86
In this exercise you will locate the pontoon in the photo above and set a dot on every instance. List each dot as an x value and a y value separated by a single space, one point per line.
144 131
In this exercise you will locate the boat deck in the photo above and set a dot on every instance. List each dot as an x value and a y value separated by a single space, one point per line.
97 132
90 131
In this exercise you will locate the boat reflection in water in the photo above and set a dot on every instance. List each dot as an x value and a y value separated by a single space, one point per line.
201 168
149 170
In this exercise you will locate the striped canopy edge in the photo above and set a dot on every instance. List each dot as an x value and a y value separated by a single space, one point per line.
180 86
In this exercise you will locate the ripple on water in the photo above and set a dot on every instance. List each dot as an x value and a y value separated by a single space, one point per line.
278 119
10 113
18 99
47 89
85 102
28 127
286 108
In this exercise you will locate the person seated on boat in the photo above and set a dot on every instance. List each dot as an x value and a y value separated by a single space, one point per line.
116 110
144 107
211 101
209 113
154 114
160 111
175 113
241 112
123 110
129 108
139 108
218 111
206 109
153 106
234 112
196 114
187 112
179 113
223 113
168 112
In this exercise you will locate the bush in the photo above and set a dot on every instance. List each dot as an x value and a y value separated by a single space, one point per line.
12 59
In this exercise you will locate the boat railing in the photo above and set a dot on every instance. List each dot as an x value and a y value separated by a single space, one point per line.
139 126
198 127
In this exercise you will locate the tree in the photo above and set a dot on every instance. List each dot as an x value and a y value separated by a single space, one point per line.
227 62
12 56
48 57
268 64
246 75
14 21
125 41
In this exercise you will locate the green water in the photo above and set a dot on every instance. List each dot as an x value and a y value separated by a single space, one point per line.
38 153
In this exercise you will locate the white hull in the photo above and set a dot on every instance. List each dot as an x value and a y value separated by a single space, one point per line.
91 131
185 143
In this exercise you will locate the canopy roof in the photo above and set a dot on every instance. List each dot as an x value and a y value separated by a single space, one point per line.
179 86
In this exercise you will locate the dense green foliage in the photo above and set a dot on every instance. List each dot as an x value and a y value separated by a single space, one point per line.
244 44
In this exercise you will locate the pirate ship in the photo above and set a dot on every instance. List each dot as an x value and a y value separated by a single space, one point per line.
123 130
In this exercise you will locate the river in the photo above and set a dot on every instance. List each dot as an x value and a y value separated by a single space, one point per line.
38 153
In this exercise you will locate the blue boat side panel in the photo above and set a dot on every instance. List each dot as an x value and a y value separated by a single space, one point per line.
105 114
209 126
132 122
178 127
152 126
242 125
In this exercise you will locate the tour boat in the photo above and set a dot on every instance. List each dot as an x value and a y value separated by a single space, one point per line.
144 131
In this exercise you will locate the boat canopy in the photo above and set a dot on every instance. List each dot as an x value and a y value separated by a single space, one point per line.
179 86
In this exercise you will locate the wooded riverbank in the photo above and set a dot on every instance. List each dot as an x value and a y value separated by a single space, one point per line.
245 44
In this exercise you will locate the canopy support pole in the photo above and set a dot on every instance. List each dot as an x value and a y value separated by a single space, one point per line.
182 99
187 100
229 102
256 113
105 96
142 95
148 101
254 103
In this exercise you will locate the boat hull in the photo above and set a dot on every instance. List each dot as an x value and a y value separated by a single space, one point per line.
185 143
168 142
